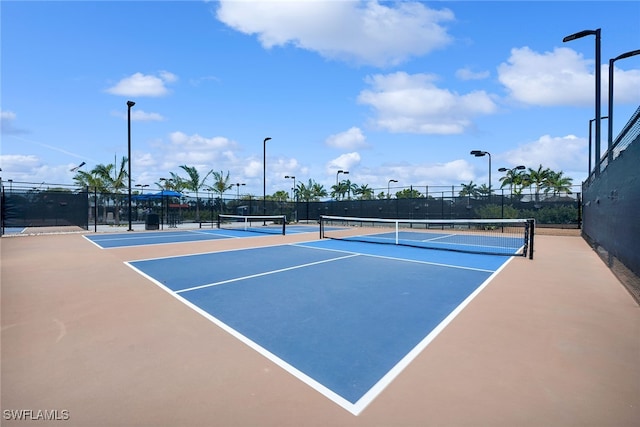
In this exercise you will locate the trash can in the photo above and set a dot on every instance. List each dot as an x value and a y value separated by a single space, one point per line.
152 222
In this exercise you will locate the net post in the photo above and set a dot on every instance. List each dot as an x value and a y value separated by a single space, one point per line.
321 221
218 220
284 221
531 224
397 227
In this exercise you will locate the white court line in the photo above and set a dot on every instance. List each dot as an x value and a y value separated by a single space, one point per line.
217 233
439 237
265 273
357 407
460 267
182 234
328 393
374 391
91 241
213 252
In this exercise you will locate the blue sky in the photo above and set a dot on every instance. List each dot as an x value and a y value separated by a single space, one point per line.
385 90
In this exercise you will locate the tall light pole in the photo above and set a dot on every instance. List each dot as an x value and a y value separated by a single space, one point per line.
237 184
590 126
294 183
337 175
129 105
264 176
598 86
610 123
295 197
389 187
479 153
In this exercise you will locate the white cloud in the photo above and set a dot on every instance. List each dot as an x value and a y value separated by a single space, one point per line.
364 32
7 127
143 116
139 84
19 162
568 153
140 116
196 150
434 177
253 169
32 170
345 162
347 140
561 77
413 103
7 115
467 74
626 85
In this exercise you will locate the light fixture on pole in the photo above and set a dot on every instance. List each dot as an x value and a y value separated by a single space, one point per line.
142 187
338 174
264 176
75 169
479 153
598 87
389 187
610 123
129 105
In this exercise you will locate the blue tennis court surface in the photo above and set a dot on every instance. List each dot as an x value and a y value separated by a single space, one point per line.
344 317
118 240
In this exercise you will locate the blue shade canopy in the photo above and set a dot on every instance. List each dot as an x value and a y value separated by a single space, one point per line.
158 195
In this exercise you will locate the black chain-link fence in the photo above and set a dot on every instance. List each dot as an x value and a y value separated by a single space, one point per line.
35 208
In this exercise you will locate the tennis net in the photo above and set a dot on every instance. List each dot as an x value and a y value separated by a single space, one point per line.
510 237
271 224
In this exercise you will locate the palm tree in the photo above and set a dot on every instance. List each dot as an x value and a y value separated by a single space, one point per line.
175 183
408 193
557 183
340 189
335 191
221 183
108 180
538 178
364 192
303 192
280 196
317 190
93 182
469 189
194 184
310 192
484 190
513 178
90 180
